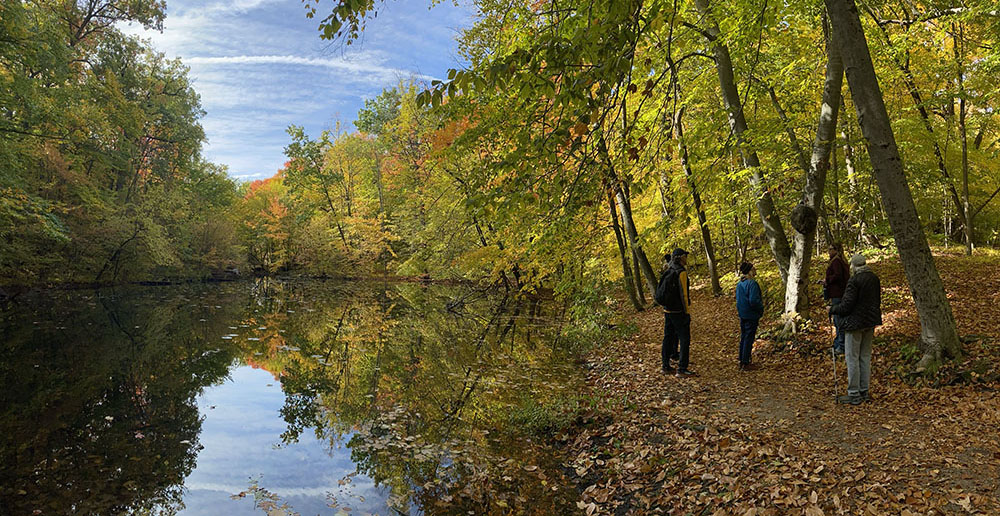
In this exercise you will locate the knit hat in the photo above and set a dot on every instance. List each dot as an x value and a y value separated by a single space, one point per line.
858 260
679 252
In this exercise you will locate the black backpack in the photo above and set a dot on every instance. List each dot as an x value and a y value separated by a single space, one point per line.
669 288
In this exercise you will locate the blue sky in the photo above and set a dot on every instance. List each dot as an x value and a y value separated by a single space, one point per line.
259 66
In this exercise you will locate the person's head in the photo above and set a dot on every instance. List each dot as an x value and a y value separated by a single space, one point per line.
747 269
835 249
858 260
680 256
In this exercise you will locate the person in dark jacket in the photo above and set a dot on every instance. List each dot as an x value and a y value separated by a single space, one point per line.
837 274
750 307
861 311
677 318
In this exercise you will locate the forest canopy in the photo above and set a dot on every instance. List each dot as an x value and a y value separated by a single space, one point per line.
580 143
101 171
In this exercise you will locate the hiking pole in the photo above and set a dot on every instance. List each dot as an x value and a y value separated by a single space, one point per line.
833 355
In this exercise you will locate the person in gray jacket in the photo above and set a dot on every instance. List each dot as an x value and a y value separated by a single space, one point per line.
861 311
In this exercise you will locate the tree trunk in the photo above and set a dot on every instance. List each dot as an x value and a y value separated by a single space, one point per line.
797 286
706 235
633 237
639 290
773 230
626 211
937 324
852 175
626 269
664 184
832 229
637 281
964 135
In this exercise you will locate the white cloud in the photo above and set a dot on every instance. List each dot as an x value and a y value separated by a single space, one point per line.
357 66
259 66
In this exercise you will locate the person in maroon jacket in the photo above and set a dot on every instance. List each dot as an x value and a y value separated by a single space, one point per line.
837 274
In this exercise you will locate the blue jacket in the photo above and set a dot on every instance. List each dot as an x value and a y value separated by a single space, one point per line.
749 302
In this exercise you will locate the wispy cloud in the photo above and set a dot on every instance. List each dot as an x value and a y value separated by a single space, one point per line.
349 65
260 66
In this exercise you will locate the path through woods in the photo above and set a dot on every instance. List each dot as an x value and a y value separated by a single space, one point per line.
773 441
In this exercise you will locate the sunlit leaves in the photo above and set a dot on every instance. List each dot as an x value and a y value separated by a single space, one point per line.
102 134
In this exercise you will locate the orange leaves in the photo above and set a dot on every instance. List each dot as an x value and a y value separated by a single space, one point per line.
443 138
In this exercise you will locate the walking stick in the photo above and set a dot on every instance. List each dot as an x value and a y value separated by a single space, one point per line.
833 354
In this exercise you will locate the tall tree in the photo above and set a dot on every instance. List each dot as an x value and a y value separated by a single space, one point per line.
806 215
773 229
939 339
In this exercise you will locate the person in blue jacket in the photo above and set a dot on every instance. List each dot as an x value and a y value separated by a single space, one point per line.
750 306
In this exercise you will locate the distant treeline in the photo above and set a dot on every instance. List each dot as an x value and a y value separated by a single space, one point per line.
101 173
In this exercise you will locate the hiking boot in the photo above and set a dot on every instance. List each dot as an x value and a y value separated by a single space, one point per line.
850 400
838 351
750 367
667 370
684 373
865 396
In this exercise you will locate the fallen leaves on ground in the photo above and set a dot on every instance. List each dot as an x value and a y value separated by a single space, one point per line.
773 441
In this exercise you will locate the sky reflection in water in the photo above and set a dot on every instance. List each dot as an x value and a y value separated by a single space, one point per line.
241 440
377 397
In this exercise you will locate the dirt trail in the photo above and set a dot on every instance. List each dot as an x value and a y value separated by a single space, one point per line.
773 441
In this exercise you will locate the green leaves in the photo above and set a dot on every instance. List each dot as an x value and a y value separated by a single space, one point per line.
104 159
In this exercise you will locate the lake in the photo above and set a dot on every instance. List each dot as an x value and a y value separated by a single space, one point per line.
283 397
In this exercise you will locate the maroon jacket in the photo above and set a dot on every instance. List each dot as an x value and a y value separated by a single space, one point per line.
837 274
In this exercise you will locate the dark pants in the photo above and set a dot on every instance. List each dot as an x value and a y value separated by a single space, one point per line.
676 331
748 334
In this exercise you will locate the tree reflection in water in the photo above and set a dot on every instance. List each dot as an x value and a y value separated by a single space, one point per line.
425 385
422 383
98 400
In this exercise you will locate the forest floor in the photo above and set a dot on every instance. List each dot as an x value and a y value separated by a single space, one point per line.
773 441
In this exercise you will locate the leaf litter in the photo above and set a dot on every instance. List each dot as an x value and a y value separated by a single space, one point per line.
773 441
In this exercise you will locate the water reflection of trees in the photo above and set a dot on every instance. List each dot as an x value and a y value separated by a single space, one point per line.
98 391
414 379
98 398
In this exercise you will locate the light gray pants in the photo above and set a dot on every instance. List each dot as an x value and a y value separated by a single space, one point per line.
858 354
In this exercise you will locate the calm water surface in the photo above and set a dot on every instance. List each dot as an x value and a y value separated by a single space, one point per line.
277 397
